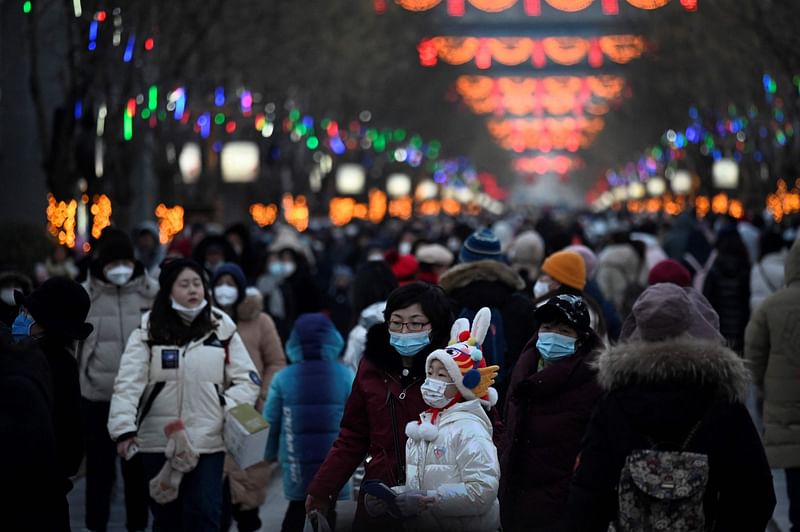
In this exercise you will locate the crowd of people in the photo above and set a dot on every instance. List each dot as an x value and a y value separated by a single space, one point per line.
556 374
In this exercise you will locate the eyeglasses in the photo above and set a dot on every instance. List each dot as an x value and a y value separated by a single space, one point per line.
413 326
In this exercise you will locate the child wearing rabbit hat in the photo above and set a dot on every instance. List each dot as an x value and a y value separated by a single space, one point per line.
452 469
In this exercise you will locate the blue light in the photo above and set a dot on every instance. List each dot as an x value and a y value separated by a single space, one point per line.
757 157
217 147
92 46
337 146
78 109
180 103
680 140
204 121
692 135
738 157
219 96
717 155
693 114
308 122
128 55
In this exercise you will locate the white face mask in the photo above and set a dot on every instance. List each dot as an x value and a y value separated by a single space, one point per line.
119 275
540 289
7 295
226 294
188 314
289 268
433 393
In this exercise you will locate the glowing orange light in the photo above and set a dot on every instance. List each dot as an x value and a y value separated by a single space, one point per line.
101 214
570 5
264 215
622 48
430 207
377 206
702 206
170 222
418 5
61 220
401 208
648 4
565 50
492 6
451 207
295 211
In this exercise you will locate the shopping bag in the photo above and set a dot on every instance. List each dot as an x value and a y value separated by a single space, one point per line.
316 522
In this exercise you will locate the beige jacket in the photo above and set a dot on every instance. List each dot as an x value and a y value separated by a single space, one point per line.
115 313
213 374
772 341
258 332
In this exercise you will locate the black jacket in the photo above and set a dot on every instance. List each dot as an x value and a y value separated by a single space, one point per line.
727 288
661 390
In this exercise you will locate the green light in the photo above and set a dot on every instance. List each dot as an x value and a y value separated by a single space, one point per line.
435 145
145 114
162 115
294 115
312 143
416 141
127 126
399 135
325 123
372 135
380 144
301 130
152 98
26 7
657 153
219 119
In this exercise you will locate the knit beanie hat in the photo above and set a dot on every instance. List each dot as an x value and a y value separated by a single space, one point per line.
589 258
527 250
566 267
481 245
404 267
434 254
114 245
669 271
566 308
464 362
59 305
665 310
232 269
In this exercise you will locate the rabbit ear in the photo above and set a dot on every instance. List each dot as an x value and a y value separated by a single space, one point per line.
480 325
461 324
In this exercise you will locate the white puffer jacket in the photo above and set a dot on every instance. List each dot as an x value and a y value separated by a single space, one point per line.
115 313
457 464
198 391
766 278
357 339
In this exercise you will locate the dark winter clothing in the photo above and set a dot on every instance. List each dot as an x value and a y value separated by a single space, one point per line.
9 309
727 287
660 390
489 283
547 412
367 431
612 320
35 496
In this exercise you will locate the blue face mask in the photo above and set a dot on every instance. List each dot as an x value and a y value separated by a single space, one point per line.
409 344
554 346
21 328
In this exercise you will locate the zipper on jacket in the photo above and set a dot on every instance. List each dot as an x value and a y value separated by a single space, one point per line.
121 325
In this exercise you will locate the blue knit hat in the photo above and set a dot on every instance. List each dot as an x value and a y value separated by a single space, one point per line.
232 269
481 245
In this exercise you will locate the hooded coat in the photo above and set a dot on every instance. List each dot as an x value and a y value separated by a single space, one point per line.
547 413
260 337
459 469
115 313
381 403
727 287
489 283
771 347
306 402
661 390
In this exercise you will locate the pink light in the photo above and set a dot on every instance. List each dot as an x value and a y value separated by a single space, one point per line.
533 8
455 8
610 7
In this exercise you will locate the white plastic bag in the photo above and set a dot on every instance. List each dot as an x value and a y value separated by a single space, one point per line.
316 522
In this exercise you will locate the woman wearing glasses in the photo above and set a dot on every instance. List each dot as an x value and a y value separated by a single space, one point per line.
385 397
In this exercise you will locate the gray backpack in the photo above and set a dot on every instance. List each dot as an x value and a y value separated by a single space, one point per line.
663 490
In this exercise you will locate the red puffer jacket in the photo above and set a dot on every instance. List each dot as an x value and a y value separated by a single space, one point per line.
367 428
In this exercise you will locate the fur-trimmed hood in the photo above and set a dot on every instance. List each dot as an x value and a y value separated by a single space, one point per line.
683 360
251 306
464 274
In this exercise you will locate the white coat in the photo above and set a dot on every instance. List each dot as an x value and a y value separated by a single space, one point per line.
198 391
459 467
766 278
357 339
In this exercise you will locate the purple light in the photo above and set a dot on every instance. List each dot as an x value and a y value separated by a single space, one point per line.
78 109
337 146
204 121
180 103
247 101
